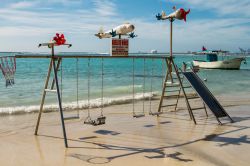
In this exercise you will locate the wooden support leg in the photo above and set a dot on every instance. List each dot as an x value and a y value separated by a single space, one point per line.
43 97
164 87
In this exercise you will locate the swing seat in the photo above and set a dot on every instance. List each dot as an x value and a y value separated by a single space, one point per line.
139 115
99 121
88 120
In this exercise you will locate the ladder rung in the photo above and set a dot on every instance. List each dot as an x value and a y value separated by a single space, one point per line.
171 96
193 97
50 90
170 105
187 87
198 108
174 73
172 83
176 90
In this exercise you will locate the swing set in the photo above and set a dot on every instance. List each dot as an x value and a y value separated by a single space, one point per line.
168 82
56 67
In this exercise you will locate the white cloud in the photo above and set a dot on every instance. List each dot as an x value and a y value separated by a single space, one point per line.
22 4
105 8
238 8
79 24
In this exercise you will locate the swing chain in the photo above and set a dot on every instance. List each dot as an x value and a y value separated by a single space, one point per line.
102 73
144 84
61 79
151 87
88 87
77 86
100 120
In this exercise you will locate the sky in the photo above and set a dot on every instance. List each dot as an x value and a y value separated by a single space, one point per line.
216 24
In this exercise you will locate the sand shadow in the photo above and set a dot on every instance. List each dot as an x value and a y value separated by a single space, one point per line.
176 156
240 119
224 141
106 132
158 151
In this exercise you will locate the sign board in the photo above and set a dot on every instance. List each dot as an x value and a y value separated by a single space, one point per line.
119 47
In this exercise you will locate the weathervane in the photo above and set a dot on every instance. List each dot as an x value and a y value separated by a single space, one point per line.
179 14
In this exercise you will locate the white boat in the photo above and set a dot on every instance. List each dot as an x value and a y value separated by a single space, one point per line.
212 62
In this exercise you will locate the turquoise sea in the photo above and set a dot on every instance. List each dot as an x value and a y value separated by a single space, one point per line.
25 95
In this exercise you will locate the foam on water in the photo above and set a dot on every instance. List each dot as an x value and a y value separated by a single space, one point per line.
26 94
83 104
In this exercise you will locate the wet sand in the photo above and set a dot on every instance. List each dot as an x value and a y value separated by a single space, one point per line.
171 139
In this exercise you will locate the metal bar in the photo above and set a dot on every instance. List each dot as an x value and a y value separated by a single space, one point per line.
89 56
59 99
43 97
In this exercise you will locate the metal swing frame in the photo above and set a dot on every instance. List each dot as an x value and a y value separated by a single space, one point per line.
54 67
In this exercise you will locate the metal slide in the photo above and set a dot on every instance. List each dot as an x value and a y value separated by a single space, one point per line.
207 97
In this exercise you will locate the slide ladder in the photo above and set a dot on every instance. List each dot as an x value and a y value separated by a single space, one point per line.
174 86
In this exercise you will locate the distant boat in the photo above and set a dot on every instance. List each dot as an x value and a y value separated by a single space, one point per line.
212 61
153 51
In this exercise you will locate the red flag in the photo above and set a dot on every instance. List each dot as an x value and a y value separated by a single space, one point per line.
204 48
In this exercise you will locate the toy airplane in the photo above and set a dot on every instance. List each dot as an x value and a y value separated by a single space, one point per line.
179 14
124 29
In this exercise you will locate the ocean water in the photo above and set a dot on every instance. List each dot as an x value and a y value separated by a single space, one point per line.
25 95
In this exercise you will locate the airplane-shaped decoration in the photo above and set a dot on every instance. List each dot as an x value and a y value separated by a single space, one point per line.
179 14
126 29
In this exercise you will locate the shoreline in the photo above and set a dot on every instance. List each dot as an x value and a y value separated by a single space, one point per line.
171 138
225 99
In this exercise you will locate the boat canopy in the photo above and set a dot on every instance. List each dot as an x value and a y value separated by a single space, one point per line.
212 57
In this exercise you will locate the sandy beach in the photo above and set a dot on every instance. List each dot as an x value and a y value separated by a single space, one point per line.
171 139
